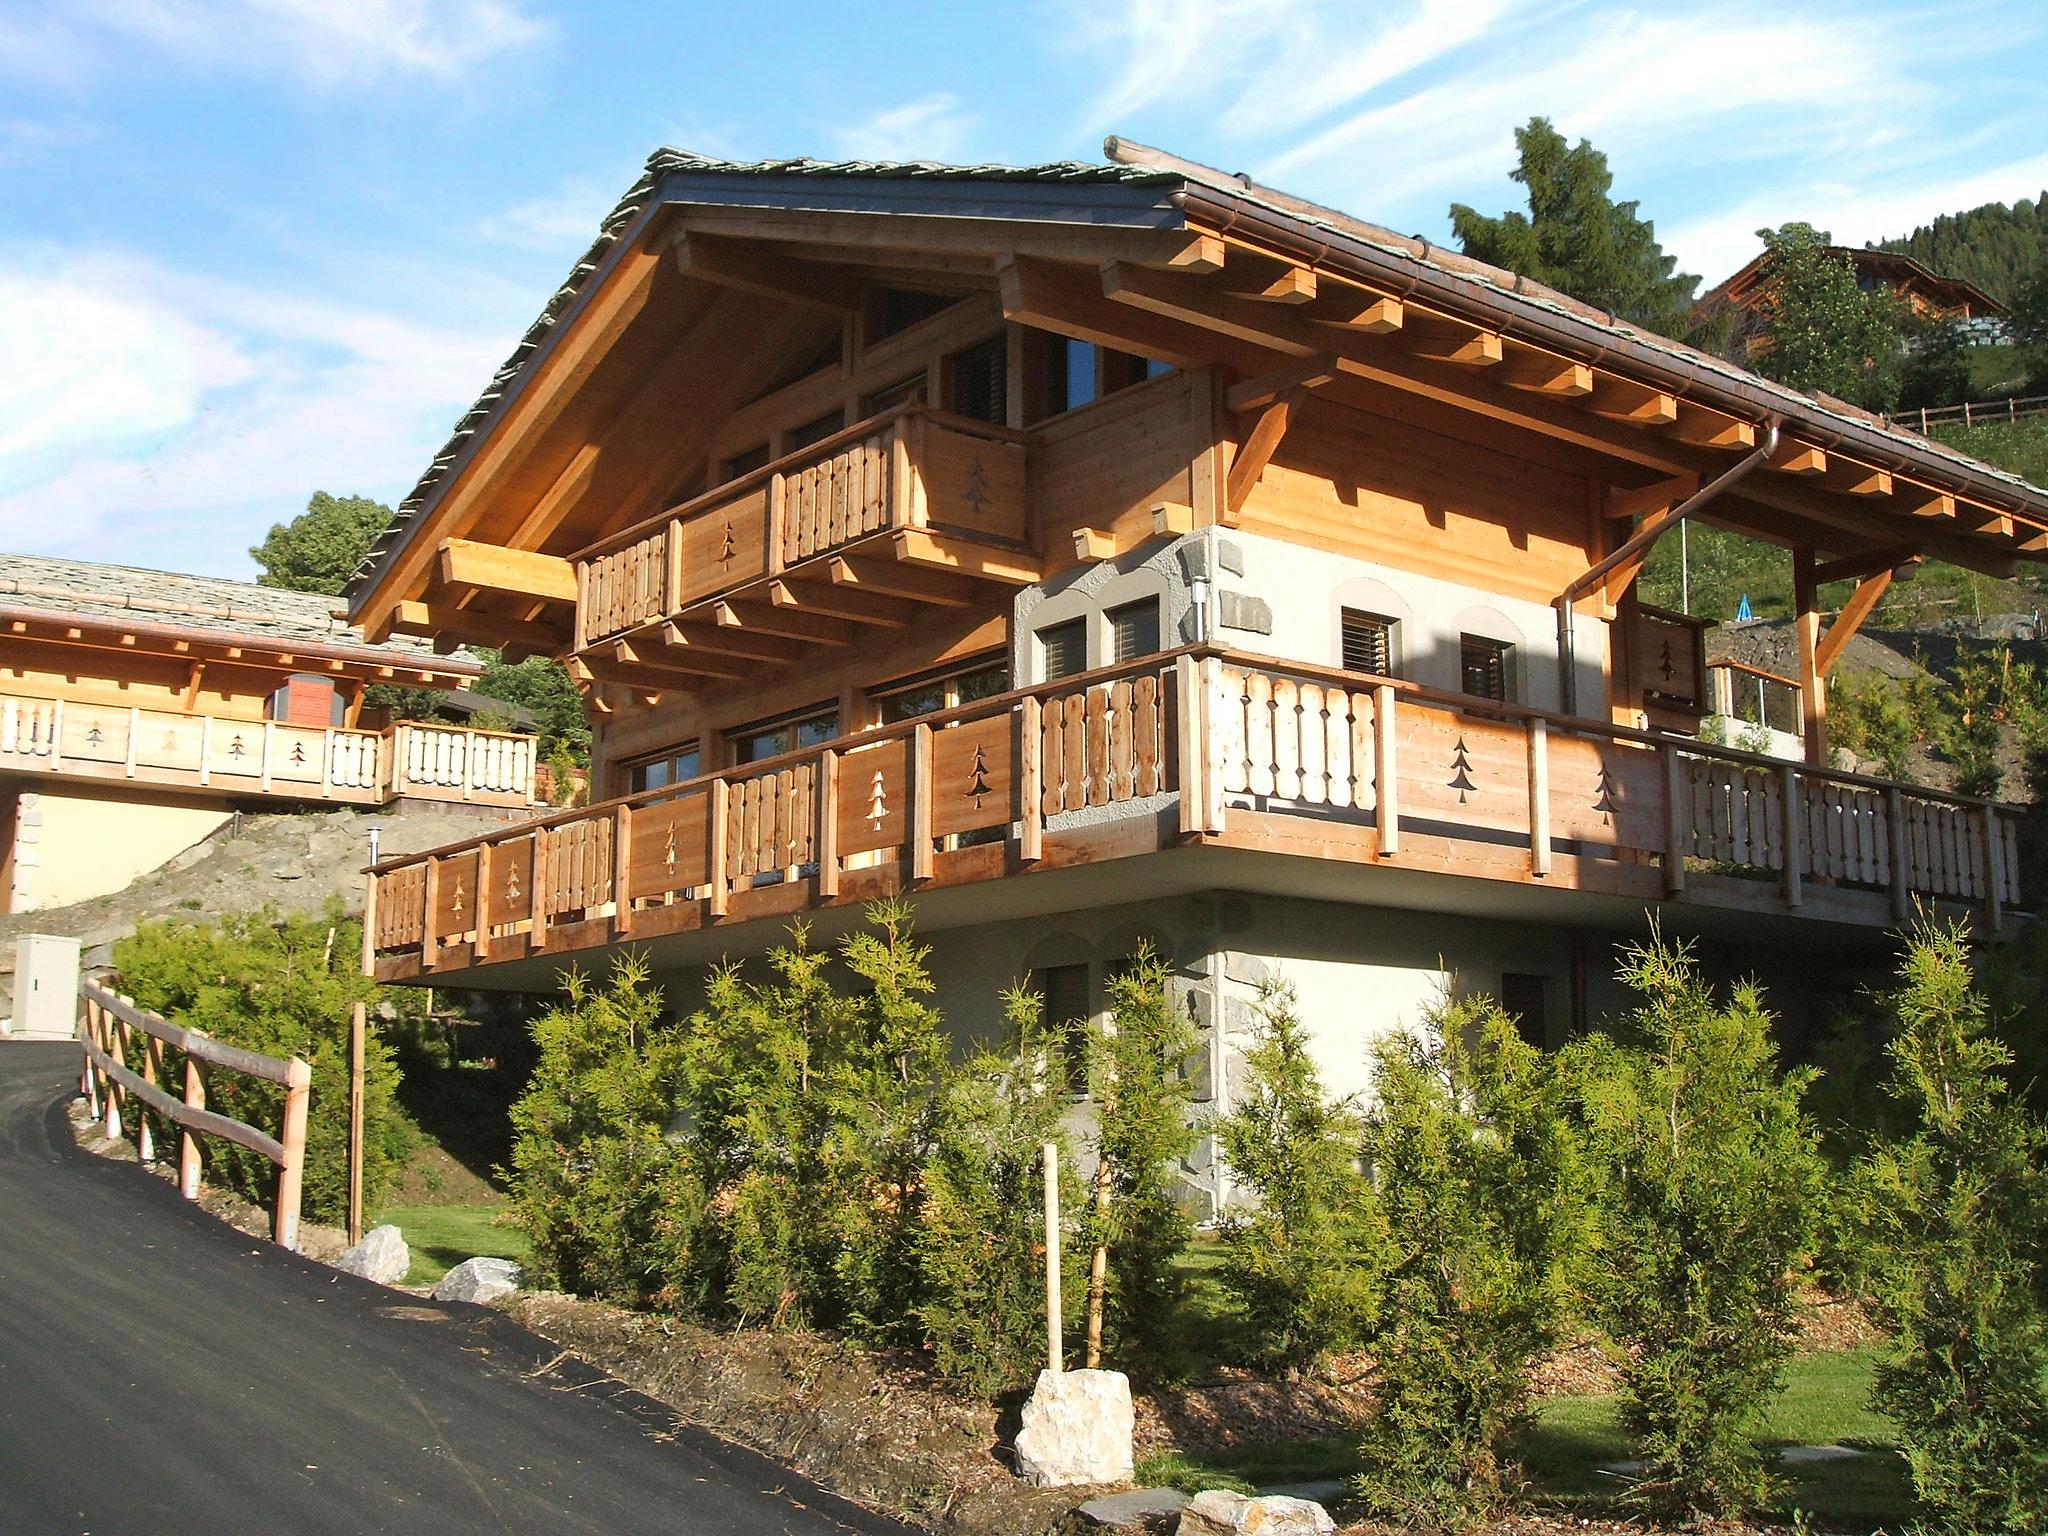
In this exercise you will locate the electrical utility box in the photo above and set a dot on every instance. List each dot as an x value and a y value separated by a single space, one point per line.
45 987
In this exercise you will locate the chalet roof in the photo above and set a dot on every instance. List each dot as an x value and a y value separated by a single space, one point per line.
208 606
1155 190
1891 266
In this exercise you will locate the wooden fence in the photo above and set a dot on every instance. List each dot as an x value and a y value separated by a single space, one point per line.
1972 413
114 1029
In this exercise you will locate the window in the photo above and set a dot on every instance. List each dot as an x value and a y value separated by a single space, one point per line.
978 381
1521 999
1483 666
946 691
1367 642
1133 630
827 354
1063 649
890 310
658 770
1065 374
908 391
816 430
745 463
1065 995
812 728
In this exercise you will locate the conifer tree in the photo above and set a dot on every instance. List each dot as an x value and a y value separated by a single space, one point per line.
1707 1183
1956 1222
1820 330
1296 1251
1577 239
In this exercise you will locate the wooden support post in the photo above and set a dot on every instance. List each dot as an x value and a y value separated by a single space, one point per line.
1539 797
1812 685
1055 1346
1386 784
188 1139
480 948
537 891
1031 782
714 843
1211 745
134 738
152 1074
1260 444
622 871
430 893
1677 819
88 1074
1902 862
826 840
1098 1261
269 744
115 1093
1190 751
1795 832
291 1173
921 803
358 1044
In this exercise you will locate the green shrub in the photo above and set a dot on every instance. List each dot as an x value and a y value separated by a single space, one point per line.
1873 717
980 1248
1707 1182
1956 1214
284 986
596 1186
1135 1225
1293 1258
1480 1220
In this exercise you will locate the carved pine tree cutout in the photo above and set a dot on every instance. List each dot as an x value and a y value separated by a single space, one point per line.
668 847
298 752
1667 664
235 747
976 495
512 883
1604 799
92 734
978 784
1461 770
729 546
878 802
456 908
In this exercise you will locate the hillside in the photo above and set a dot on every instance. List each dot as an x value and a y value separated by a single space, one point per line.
1993 245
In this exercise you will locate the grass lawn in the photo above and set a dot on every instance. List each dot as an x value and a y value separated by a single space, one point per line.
442 1236
1823 1404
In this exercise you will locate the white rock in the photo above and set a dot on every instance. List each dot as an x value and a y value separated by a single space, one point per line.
381 1256
1219 1512
1077 1429
479 1280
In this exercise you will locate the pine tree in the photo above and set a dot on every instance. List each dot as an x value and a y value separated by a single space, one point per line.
1819 329
1956 1223
1577 239
320 549
1707 1181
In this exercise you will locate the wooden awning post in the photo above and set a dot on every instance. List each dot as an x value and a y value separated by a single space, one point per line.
1813 703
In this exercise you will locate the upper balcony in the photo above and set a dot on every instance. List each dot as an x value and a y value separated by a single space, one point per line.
1201 769
914 506
220 756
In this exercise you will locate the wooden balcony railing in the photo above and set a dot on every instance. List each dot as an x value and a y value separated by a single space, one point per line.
1199 747
911 468
263 758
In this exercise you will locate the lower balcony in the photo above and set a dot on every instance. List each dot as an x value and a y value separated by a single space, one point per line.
1197 769
65 739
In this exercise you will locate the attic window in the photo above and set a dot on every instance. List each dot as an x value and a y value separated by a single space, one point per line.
890 310
977 381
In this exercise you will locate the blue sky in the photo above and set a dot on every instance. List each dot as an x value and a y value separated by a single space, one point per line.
254 248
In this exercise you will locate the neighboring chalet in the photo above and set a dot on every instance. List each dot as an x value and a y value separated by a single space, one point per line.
139 709
1108 552
1927 294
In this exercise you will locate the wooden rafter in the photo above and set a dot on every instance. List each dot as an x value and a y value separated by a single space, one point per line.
818 593
892 578
1543 373
772 619
465 626
492 567
1310 372
1624 400
1652 497
915 546
1892 557
752 267
645 661
698 639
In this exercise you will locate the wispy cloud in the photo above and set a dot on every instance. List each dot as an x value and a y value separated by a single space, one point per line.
323 42
934 127
564 219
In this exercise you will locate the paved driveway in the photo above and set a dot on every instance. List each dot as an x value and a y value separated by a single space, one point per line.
160 1373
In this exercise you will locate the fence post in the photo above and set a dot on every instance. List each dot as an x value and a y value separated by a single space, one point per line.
1031 782
826 840
1539 796
920 817
291 1173
1386 772
1055 1348
1795 833
1675 821
1896 836
188 1139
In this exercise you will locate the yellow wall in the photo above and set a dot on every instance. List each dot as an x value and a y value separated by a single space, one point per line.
98 675
73 844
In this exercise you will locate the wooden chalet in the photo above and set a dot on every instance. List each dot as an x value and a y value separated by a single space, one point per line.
139 709
1928 295
1105 550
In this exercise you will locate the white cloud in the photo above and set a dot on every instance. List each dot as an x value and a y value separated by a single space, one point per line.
563 220
325 42
166 417
934 127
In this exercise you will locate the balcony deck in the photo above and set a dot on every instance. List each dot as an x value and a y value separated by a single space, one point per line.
71 741
1223 766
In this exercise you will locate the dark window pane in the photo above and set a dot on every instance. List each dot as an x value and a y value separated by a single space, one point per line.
980 381
1080 373
1064 989
1484 667
1064 649
983 683
891 310
1521 999
816 431
666 768
1368 643
1134 630
752 743
909 391
746 463
912 702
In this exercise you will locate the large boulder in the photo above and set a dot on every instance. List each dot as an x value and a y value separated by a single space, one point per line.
381 1256
1077 1428
1220 1512
1140 1509
479 1280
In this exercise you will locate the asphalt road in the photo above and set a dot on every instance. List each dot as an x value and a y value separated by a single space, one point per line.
161 1373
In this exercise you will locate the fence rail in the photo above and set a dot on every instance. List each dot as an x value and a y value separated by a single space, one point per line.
113 1027
1972 413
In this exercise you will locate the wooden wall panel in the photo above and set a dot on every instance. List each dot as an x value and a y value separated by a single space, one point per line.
973 483
671 843
973 775
725 545
872 786
1107 466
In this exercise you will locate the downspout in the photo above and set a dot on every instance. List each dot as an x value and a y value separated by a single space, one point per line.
1635 544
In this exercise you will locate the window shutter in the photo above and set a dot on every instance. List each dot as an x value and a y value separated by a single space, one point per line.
1065 648
1134 630
1368 643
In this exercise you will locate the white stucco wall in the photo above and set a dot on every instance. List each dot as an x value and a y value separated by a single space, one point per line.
72 845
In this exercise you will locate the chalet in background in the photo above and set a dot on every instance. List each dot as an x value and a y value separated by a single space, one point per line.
1103 553
1927 294
140 709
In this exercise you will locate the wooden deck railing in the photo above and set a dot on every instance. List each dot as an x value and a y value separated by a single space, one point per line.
263 758
114 1029
1192 744
909 468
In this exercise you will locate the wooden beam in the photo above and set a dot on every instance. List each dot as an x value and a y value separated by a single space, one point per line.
1357 309
1653 497
1855 479
1202 253
644 663
466 626
1796 458
839 601
1290 284
891 578
1094 544
751 267
1310 372
1070 302
465 562
1892 558
1450 341
1543 373
1260 444
1170 517
1849 620
771 619
1625 400
1624 574
709 640
916 546
1704 427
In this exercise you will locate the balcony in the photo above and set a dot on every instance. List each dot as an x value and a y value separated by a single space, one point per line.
906 508
65 739
1233 771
